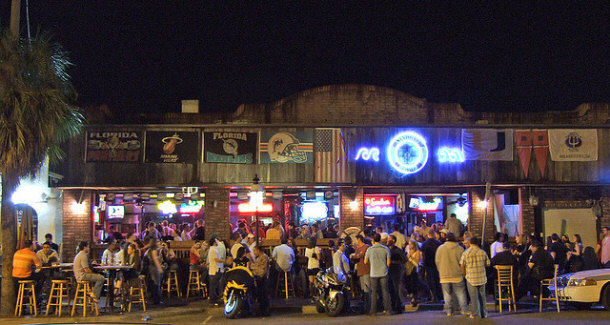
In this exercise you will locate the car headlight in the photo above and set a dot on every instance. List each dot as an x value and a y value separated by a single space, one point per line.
582 282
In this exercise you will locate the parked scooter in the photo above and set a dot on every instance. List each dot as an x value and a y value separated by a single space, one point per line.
239 288
333 292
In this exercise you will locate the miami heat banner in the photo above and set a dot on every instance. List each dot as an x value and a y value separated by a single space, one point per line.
277 146
487 144
172 147
573 144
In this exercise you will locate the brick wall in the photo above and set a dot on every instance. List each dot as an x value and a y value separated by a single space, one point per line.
351 215
217 212
77 222
477 215
527 220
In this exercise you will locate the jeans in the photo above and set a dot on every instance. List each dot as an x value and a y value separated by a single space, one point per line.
394 286
215 287
365 285
261 295
457 289
432 278
98 281
154 284
376 283
478 301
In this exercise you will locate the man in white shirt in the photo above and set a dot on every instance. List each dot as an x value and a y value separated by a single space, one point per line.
401 241
82 272
340 262
283 255
215 269
497 246
236 244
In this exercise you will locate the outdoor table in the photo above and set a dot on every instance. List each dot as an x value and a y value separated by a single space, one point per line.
58 266
113 269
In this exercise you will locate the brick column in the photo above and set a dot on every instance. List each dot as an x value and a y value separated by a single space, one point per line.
352 214
605 203
77 222
477 215
217 212
526 216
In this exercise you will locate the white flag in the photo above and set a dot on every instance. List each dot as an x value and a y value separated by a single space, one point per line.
573 144
487 144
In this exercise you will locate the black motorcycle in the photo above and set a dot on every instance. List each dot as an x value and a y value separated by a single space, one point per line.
239 288
333 293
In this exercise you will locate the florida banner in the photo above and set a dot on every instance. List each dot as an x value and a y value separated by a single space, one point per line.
487 144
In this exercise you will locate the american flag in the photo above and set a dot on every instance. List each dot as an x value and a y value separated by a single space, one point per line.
330 157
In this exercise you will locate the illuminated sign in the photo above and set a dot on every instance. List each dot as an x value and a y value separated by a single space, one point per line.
248 208
191 207
450 155
367 154
421 205
314 210
408 152
167 207
379 205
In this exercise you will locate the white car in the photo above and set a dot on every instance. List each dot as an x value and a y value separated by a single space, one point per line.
585 288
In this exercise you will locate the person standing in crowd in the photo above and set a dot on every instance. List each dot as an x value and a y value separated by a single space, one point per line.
378 256
283 255
152 261
313 254
25 262
413 269
576 255
401 240
274 232
428 249
473 262
236 243
49 240
259 270
452 280
453 225
151 233
559 252
292 231
316 232
363 271
395 274
304 233
215 270
497 247
82 271
340 262
540 266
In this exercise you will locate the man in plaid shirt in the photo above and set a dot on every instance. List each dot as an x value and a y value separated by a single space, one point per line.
473 263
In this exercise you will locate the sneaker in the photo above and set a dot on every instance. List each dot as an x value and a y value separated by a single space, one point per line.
449 314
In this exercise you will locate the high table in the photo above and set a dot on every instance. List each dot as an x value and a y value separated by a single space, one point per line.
58 266
113 270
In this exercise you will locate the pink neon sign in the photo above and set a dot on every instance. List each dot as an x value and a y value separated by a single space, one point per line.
379 205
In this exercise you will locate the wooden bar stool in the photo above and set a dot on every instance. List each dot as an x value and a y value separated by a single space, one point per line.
83 289
195 284
550 282
136 296
173 284
59 291
26 287
288 284
505 280
143 285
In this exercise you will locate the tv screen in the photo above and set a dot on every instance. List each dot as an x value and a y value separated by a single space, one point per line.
414 203
115 211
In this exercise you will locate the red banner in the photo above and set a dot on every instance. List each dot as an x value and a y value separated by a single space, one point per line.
541 148
524 148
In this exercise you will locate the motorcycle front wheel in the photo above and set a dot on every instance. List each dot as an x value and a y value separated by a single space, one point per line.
334 306
234 305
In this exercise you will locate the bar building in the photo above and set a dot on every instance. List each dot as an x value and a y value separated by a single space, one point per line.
361 155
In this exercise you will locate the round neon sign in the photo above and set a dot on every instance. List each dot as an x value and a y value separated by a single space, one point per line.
408 152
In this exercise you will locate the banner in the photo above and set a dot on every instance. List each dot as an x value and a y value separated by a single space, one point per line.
286 147
233 147
573 144
540 141
331 165
113 146
172 147
524 148
487 144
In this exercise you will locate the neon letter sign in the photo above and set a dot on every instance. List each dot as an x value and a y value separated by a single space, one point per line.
366 154
450 155
408 152
379 205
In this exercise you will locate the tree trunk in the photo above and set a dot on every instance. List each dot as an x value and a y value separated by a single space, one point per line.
9 244
15 17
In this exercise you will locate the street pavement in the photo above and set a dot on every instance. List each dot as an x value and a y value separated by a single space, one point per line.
199 313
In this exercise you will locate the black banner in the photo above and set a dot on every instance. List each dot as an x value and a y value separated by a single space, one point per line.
232 147
113 146
172 147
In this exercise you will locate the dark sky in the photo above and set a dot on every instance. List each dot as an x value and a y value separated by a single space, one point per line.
488 56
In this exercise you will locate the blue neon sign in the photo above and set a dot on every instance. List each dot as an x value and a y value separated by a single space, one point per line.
407 152
368 153
450 155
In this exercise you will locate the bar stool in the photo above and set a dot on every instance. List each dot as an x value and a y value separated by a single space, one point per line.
195 284
550 282
173 284
505 280
288 284
59 291
136 296
83 289
26 287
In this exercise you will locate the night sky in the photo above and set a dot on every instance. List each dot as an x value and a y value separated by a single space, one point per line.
489 56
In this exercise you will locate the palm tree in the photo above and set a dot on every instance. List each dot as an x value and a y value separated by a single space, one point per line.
36 115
